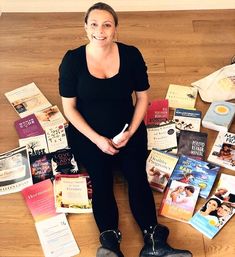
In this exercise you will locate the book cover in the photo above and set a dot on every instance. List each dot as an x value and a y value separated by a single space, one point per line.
56 237
41 167
27 99
157 112
225 189
223 150
162 137
192 144
187 120
179 201
180 96
63 162
73 193
36 145
197 173
15 172
219 116
51 116
159 167
212 216
56 137
28 126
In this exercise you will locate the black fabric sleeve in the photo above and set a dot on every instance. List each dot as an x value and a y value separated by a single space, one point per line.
67 77
141 81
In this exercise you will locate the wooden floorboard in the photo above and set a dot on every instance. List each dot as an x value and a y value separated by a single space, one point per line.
178 46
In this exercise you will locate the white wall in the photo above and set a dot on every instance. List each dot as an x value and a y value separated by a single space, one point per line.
118 5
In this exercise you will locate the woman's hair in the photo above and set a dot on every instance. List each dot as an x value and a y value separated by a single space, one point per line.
190 188
214 199
104 7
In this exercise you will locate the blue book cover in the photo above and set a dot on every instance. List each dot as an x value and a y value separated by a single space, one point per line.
195 172
219 116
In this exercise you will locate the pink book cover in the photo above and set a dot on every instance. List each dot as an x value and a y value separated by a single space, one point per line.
157 112
28 126
40 200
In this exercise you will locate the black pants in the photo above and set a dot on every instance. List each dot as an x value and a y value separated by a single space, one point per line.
132 161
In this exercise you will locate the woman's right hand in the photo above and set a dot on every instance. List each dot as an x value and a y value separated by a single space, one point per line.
106 146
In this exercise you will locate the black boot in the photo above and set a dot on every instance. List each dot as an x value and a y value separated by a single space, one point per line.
110 244
155 244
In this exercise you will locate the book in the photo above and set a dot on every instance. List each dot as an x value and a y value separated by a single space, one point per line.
223 150
56 137
51 116
28 126
159 166
179 201
212 216
157 112
54 233
73 193
36 145
186 119
180 96
197 173
219 116
162 137
15 172
63 162
27 99
192 144
225 189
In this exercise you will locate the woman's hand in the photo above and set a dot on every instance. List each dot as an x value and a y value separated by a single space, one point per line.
106 145
123 140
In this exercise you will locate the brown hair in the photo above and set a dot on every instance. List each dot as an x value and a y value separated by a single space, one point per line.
104 7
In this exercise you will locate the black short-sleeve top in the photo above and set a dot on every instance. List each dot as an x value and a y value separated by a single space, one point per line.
106 104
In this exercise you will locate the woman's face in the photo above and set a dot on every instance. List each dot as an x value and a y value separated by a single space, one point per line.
212 205
100 27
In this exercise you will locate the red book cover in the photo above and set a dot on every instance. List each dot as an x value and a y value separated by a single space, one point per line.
28 126
157 112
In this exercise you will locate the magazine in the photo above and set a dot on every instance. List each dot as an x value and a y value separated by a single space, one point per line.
27 99
15 172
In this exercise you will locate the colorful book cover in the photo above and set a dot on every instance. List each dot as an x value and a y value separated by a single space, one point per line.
180 96
187 120
27 99
40 200
73 193
28 126
15 172
179 201
212 216
159 167
157 112
219 116
162 137
197 173
223 150
192 144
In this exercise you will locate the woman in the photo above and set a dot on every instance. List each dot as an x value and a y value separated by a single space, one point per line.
96 84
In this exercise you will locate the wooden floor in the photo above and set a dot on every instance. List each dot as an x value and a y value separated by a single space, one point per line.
179 47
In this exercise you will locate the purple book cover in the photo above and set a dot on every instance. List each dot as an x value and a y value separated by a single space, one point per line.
28 126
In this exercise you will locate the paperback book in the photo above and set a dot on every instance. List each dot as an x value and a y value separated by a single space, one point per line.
181 96
212 216
197 173
27 99
223 150
192 144
28 126
159 167
219 116
15 172
179 201
157 112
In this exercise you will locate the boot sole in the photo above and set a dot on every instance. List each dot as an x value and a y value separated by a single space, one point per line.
170 255
103 252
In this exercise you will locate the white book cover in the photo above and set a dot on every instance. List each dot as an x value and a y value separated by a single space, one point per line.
223 150
27 99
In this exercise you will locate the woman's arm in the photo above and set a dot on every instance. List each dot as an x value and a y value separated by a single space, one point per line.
138 116
74 116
